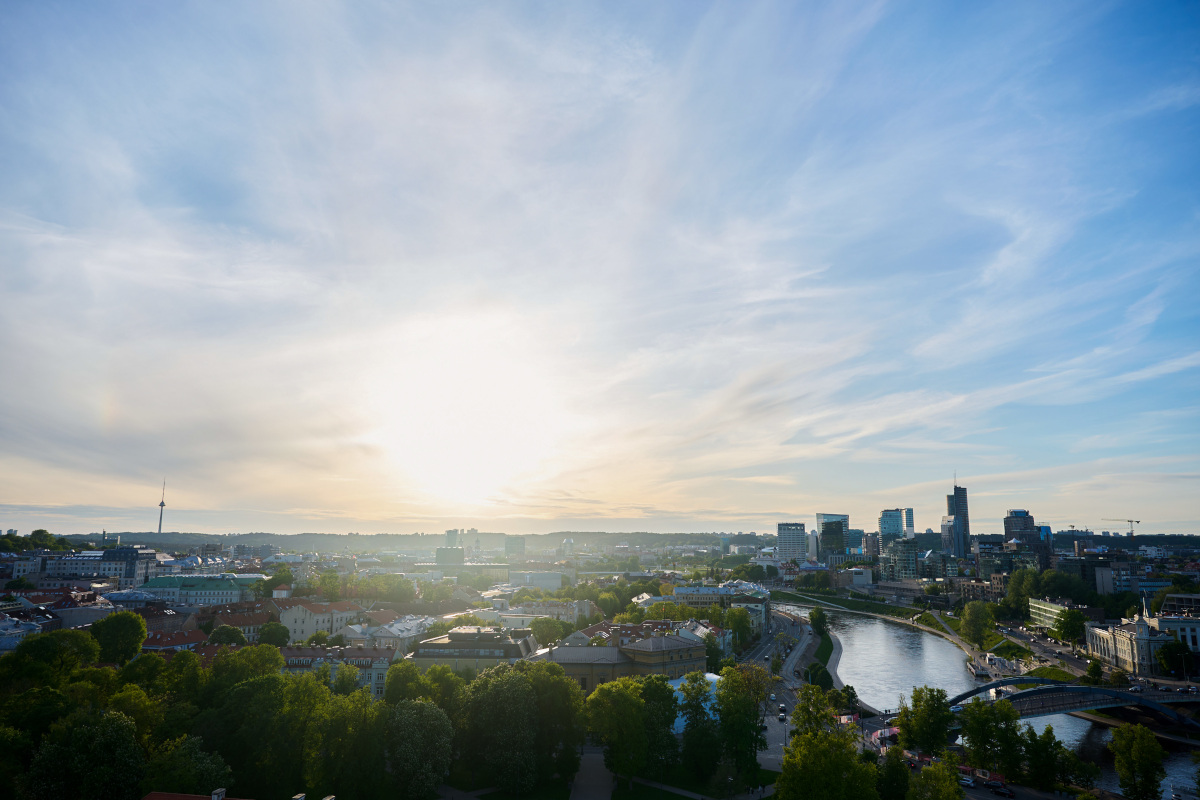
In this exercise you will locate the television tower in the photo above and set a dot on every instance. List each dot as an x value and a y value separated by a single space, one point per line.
162 504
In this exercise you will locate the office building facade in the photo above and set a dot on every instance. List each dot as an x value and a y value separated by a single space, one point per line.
960 523
791 544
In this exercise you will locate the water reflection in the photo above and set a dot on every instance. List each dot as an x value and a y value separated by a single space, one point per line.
883 660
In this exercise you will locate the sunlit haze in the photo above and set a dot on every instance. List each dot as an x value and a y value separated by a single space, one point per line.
622 266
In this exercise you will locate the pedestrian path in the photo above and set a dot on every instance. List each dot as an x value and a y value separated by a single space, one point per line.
593 781
767 791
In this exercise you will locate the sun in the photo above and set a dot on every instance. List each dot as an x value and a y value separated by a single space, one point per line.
467 405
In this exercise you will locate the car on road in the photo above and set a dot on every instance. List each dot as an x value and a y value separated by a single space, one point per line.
783 717
955 709
1004 791
1135 689
964 781
782 708
772 697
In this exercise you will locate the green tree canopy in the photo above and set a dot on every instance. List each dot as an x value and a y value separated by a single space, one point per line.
819 621
182 765
616 717
1138 761
274 633
977 622
501 727
822 761
120 636
701 742
892 779
935 782
1176 658
417 747
924 721
1069 625
546 630
227 634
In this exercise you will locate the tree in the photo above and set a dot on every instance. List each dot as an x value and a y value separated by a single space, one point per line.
1118 677
1138 760
227 634
330 585
976 623
120 636
417 747
1042 754
712 653
822 761
145 671
609 604
182 765
819 621
404 682
21 584
274 633
560 717
935 782
738 621
545 630
925 723
892 779
1069 625
1095 673
616 717
346 679
1176 658
737 704
701 742
501 728
59 652
317 639
660 710
991 731
96 756
134 703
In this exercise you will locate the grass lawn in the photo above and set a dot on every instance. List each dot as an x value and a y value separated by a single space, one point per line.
825 649
1053 673
1011 650
550 791
991 640
930 621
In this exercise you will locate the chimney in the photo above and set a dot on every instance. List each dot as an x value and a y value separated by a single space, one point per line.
218 794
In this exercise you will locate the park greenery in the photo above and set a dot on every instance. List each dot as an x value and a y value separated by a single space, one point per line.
83 714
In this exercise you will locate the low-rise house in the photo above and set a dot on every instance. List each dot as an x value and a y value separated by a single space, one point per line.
372 663
399 634
12 631
669 655
181 640
303 618
475 648
249 623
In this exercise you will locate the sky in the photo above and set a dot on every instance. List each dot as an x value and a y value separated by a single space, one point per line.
392 267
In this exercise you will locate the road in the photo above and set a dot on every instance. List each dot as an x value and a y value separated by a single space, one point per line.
799 635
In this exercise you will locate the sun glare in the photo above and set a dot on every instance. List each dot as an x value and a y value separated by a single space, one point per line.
467 405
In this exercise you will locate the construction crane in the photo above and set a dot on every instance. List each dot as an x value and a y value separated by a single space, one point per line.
1131 522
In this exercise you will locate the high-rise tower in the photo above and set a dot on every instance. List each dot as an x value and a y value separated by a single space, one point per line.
162 504
956 507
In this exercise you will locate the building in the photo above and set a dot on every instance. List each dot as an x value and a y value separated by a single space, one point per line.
833 530
514 547
572 611
372 663
303 618
549 581
899 561
127 566
399 634
1131 646
179 640
1043 612
667 654
892 522
200 590
449 556
476 648
910 529
1019 524
791 544
249 623
871 545
1175 604
960 531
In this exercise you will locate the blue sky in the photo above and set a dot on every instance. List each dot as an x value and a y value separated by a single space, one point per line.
524 267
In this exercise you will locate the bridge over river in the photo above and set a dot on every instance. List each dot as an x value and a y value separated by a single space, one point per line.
1048 696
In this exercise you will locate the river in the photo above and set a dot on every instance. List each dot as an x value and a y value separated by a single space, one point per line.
883 660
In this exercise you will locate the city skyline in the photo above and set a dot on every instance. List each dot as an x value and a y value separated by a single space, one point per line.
535 268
